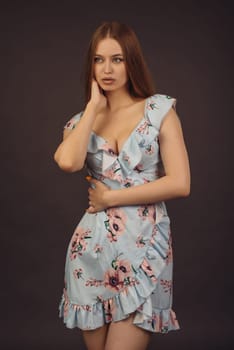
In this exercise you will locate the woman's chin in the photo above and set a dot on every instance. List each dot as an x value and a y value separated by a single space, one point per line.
108 88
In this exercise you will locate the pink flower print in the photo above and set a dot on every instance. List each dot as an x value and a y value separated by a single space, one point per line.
152 240
112 237
164 328
100 299
124 269
78 242
152 105
66 303
143 128
148 270
139 168
149 149
93 282
112 281
167 285
82 307
113 174
71 124
147 212
109 308
156 322
98 248
116 223
106 147
140 242
117 278
140 308
126 158
77 273
159 326
127 182
117 213
68 124
169 257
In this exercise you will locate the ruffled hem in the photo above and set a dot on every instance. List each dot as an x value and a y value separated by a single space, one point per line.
135 298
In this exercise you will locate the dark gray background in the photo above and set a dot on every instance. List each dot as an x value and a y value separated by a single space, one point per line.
189 48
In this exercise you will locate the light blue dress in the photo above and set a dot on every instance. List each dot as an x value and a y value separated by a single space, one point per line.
119 261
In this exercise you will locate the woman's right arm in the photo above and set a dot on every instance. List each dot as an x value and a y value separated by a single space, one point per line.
71 153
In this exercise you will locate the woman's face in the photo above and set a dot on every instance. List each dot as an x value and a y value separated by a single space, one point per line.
109 65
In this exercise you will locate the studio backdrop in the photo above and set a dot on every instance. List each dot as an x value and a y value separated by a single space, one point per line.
189 50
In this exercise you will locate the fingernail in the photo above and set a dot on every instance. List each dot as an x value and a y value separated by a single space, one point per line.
88 178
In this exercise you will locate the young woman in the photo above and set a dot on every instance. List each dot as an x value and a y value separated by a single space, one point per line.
118 273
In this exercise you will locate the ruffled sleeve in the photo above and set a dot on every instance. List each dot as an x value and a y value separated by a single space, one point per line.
71 124
157 108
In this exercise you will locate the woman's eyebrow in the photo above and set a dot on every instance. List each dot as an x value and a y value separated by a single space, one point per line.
116 54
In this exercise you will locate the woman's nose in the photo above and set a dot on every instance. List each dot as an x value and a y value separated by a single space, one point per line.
108 67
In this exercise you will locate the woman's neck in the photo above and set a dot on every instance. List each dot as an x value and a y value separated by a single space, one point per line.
118 99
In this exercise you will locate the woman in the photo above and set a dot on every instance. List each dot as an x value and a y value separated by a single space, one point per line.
118 273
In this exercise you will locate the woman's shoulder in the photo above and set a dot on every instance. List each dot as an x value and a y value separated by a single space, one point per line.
157 107
161 99
71 123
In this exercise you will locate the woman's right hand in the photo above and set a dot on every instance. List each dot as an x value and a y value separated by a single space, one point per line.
97 100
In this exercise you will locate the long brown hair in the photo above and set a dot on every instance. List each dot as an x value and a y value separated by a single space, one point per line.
140 82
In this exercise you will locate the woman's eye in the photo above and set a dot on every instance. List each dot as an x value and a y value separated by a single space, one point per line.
98 60
118 59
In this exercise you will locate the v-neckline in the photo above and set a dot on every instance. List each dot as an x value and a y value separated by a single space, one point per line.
128 137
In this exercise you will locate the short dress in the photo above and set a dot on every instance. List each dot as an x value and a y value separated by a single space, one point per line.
119 261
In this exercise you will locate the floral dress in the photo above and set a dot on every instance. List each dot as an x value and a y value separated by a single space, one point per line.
119 261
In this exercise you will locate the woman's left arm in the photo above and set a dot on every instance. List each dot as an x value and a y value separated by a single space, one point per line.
175 183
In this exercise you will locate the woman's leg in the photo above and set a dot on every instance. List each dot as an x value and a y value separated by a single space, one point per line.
125 335
95 339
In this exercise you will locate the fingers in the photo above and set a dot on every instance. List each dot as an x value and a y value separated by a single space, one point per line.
95 87
96 183
90 179
91 204
95 195
91 210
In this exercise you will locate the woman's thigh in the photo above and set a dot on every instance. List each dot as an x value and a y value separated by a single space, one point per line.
125 335
95 339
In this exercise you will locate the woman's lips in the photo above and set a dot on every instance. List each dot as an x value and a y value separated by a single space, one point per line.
108 80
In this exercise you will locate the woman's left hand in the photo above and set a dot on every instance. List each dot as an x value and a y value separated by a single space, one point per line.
96 196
